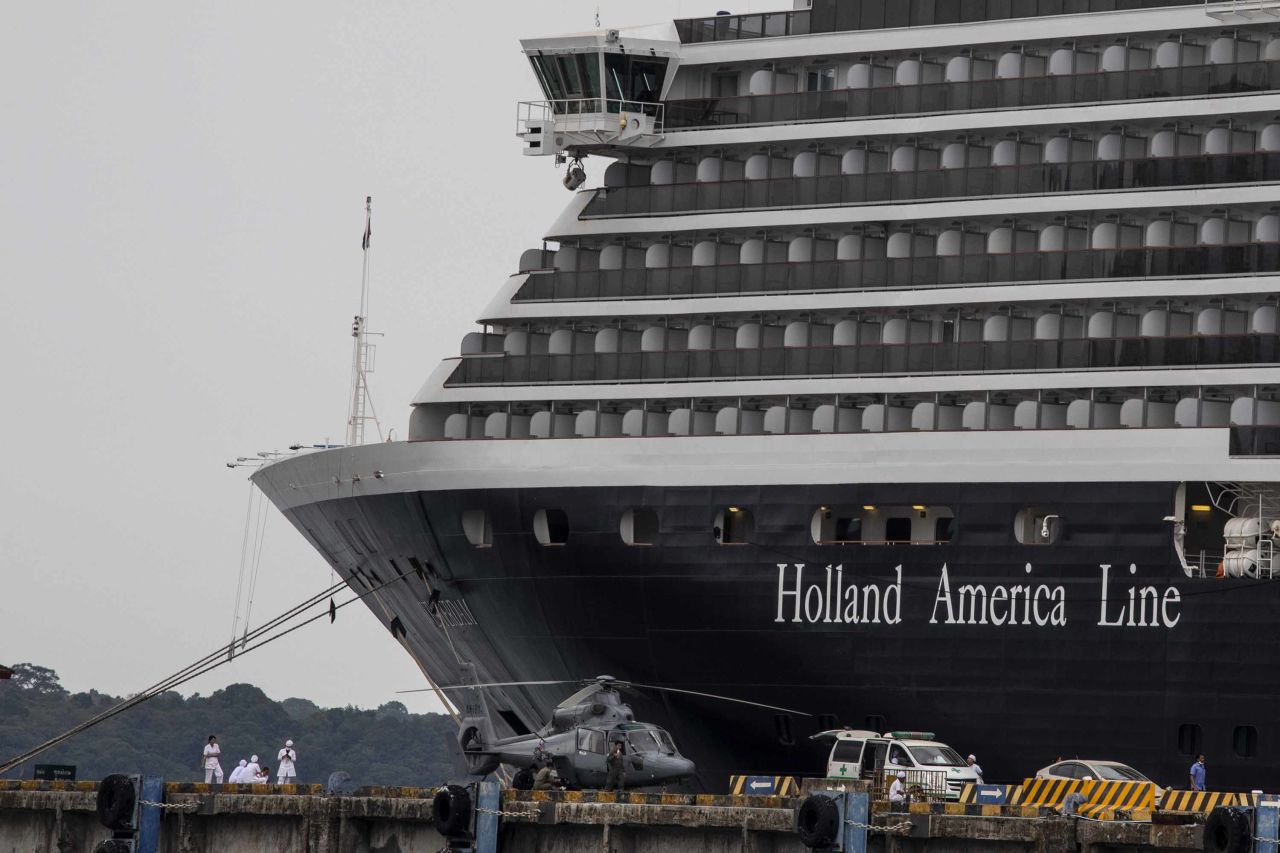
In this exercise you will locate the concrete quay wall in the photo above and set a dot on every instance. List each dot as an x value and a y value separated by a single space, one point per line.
64 821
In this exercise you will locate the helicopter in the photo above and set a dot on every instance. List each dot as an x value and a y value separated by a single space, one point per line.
584 729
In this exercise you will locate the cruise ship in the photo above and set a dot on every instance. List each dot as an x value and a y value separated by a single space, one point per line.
909 364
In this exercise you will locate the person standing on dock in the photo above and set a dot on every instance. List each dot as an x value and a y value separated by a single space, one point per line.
212 766
1197 774
972 761
614 764
286 773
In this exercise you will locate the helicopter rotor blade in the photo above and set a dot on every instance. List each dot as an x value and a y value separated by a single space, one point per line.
722 698
489 684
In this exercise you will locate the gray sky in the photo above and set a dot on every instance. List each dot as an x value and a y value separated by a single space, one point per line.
183 191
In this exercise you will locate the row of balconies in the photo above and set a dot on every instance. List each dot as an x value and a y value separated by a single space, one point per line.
1066 321
1028 76
966 254
839 16
872 359
1096 409
971 168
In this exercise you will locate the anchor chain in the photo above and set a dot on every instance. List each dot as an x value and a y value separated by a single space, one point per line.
173 807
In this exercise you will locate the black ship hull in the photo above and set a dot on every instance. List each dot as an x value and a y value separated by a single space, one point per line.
1098 645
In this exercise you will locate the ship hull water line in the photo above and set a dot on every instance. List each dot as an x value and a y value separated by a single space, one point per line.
1100 645
912 365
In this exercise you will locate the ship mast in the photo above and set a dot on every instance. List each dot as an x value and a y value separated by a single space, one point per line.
363 351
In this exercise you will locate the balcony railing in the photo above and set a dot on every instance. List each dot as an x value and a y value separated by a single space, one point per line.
870 359
839 104
972 181
885 14
917 272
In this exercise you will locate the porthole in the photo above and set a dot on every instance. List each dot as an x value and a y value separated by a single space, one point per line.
476 527
1037 526
1244 741
734 525
639 527
836 525
551 526
1189 739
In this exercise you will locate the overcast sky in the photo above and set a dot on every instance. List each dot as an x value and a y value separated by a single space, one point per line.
182 193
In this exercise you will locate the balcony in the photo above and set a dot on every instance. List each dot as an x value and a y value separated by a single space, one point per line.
975 95
871 360
934 184
900 273
829 16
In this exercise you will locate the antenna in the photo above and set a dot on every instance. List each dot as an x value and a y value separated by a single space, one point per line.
363 351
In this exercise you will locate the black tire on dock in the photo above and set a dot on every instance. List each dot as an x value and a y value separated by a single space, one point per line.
116 801
1227 831
523 780
818 821
451 811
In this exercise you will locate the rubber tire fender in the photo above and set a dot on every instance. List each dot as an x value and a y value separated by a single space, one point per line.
1227 831
818 821
116 801
451 811
523 780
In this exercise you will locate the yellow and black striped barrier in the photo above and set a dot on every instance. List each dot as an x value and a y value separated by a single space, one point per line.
764 786
1051 792
1203 802
1108 799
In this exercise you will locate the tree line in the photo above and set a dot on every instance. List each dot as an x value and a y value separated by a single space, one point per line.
165 736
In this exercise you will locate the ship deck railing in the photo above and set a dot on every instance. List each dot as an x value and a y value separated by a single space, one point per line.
975 96
893 14
967 357
900 273
934 184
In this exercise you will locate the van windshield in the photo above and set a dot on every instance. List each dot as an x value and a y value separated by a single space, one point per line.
936 756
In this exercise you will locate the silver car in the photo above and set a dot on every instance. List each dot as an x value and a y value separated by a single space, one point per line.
1090 768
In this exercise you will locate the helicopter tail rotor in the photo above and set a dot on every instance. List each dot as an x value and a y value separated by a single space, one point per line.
475 731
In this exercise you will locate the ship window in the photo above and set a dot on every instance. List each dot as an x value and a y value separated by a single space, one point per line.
632 78
476 527
875 722
1189 739
639 527
897 530
734 526
724 84
826 722
1037 526
782 725
545 67
551 526
821 79
944 529
833 525
1244 741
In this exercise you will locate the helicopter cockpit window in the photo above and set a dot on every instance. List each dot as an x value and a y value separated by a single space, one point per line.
643 741
665 742
591 741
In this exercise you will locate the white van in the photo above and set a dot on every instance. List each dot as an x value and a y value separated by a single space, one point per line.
934 766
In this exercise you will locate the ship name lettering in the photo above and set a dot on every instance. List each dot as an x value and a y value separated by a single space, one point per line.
830 600
974 604
1145 606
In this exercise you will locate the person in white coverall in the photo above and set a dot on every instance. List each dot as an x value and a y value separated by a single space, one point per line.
237 775
898 792
287 774
251 770
212 767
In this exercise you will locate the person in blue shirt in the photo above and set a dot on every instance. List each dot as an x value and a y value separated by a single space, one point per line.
1197 774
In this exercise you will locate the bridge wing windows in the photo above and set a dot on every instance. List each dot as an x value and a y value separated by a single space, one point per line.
568 76
634 78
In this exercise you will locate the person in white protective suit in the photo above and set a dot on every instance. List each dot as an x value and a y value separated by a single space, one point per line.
237 775
251 771
286 773
209 760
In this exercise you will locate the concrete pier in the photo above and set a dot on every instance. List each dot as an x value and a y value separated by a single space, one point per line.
60 818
